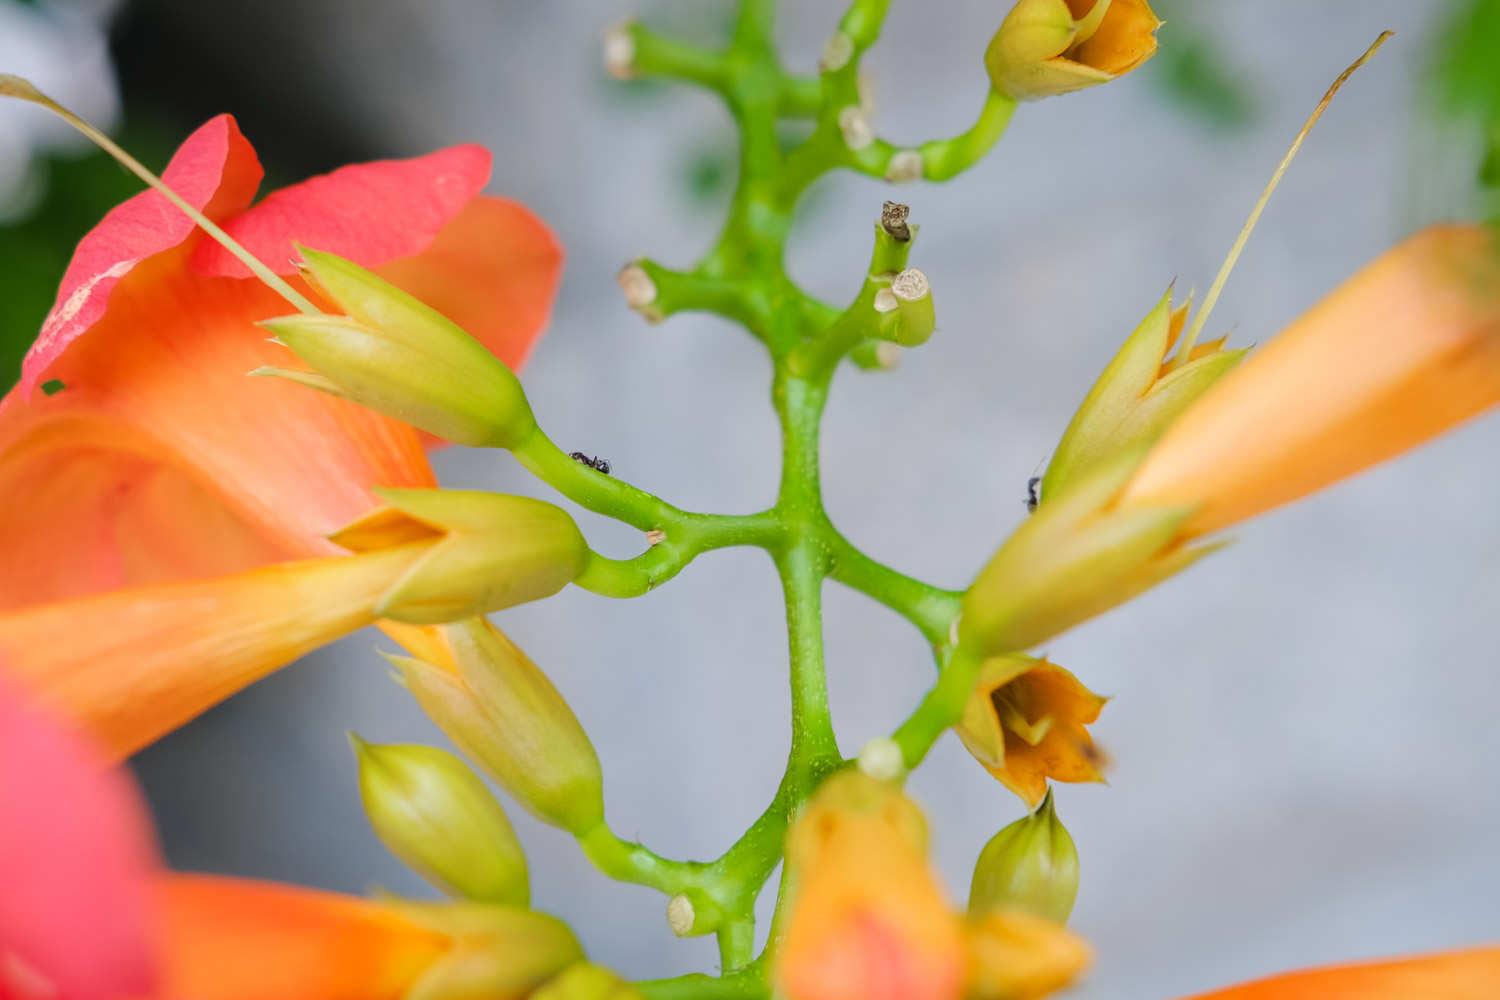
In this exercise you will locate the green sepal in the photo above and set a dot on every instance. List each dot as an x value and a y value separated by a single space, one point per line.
505 714
398 356
498 952
1073 559
1132 404
587 981
496 551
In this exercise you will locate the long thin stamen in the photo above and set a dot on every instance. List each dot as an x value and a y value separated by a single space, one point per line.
1209 300
18 87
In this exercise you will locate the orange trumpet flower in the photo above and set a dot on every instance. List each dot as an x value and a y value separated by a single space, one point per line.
89 914
135 453
1472 974
1404 350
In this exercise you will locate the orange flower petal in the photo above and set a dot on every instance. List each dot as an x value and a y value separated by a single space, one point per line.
234 939
92 505
1473 974
1125 39
493 270
131 665
1406 349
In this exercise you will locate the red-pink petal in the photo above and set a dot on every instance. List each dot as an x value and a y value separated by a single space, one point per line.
215 170
370 213
76 862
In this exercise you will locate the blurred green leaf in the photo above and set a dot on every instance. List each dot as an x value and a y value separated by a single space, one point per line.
1466 71
1194 73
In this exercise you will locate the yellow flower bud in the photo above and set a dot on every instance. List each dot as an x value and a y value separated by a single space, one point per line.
496 551
502 711
1049 47
1076 557
402 358
1031 865
587 981
1017 956
434 814
498 952
1026 722
1138 396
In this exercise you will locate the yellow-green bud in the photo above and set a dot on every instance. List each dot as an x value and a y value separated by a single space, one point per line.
496 551
504 713
1075 558
437 816
1042 49
400 357
587 981
1030 865
1137 397
498 952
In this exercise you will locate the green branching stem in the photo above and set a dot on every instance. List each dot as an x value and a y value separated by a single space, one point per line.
742 277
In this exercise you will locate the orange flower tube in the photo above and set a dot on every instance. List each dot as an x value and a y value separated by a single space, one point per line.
1472 974
1406 349
135 454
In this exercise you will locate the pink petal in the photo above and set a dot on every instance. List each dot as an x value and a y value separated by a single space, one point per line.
370 213
76 860
215 170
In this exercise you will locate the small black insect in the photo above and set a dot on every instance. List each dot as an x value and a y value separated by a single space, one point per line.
599 464
1033 493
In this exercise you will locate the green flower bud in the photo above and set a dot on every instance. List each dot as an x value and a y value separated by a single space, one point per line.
1049 47
1075 558
1137 397
402 358
496 551
1030 865
437 816
502 711
587 981
498 952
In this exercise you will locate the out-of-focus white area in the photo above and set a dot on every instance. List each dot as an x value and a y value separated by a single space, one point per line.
60 46
1302 726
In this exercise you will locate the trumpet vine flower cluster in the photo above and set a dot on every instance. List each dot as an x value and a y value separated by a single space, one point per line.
175 529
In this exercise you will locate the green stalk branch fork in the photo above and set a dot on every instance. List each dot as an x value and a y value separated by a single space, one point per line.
743 278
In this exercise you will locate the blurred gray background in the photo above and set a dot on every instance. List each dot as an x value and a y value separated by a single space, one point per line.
1305 760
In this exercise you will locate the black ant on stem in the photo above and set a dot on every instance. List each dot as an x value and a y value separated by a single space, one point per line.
597 464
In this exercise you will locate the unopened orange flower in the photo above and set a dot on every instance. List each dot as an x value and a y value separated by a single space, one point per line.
135 453
1472 974
869 919
1406 349
1026 722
